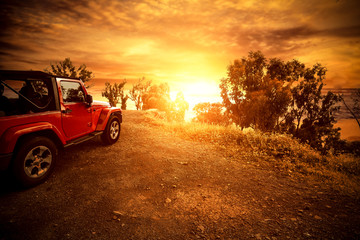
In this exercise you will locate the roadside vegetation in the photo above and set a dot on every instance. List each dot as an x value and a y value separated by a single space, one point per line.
268 95
147 96
276 151
274 96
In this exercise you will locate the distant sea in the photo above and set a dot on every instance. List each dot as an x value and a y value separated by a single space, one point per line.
347 95
350 130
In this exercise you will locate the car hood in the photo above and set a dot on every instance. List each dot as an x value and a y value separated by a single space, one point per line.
100 104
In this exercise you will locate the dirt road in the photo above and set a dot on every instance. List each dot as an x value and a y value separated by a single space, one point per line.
154 185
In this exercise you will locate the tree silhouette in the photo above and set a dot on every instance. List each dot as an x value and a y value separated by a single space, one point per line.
212 113
271 95
311 115
114 93
157 96
67 69
178 108
123 97
137 91
253 94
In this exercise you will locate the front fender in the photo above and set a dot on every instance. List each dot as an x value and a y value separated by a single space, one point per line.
11 135
105 115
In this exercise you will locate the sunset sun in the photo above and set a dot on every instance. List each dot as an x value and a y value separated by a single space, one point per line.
198 91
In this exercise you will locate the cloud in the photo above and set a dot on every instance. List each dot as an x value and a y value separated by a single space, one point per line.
343 32
167 39
13 47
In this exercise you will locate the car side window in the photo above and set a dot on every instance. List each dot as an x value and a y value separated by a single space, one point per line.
25 96
72 92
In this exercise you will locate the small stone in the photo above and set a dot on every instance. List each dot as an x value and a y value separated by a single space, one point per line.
201 228
317 217
118 213
258 236
167 200
114 217
183 163
174 186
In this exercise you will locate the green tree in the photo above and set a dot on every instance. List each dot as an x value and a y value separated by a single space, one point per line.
311 115
67 69
272 95
137 92
114 93
212 113
255 93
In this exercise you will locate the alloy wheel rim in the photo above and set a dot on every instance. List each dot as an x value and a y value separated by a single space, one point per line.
114 130
37 161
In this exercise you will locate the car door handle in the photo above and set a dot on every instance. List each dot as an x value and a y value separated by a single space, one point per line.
66 111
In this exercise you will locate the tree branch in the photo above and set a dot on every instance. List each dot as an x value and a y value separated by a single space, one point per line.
352 113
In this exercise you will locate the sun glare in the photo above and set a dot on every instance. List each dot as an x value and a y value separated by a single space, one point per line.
197 92
200 89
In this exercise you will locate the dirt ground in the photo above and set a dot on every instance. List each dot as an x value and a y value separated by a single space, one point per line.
154 185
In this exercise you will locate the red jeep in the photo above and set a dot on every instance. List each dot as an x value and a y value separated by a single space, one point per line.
41 113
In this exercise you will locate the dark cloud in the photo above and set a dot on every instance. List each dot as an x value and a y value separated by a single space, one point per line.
292 33
343 32
7 46
5 54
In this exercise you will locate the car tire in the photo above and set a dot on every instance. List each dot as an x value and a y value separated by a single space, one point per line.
34 161
112 131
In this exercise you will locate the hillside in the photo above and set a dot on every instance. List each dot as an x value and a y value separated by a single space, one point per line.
185 181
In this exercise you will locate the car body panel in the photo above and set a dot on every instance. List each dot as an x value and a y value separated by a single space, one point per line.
13 127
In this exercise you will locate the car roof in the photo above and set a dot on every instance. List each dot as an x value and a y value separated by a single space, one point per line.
24 75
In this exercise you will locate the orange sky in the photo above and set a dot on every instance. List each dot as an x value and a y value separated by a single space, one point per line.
186 43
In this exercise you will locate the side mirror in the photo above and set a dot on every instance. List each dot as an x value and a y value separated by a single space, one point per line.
89 99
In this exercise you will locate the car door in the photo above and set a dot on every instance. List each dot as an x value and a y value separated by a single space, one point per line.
76 113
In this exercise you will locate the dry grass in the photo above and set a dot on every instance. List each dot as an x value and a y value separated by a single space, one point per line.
280 152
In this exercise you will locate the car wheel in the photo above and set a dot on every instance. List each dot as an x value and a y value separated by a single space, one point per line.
112 131
34 161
